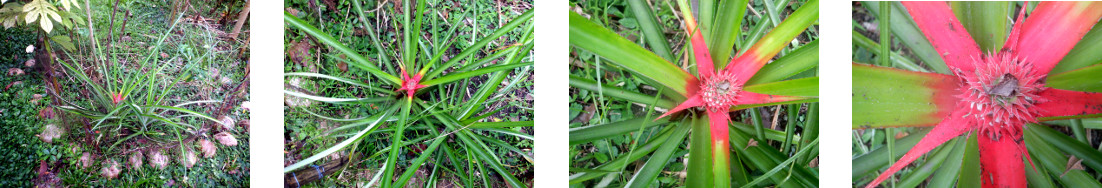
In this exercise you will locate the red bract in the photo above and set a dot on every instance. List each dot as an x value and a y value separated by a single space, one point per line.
117 97
410 84
997 93
718 91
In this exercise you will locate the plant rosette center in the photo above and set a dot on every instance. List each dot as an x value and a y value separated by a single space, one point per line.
1001 94
410 84
720 91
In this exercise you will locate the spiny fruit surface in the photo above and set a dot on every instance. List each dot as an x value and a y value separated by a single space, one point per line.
1001 93
720 91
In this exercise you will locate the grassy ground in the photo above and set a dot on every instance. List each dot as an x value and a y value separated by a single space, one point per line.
588 108
307 134
198 34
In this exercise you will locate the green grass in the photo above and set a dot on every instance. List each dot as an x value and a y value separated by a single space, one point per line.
306 134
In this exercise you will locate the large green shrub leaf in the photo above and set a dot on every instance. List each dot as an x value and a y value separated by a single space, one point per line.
41 9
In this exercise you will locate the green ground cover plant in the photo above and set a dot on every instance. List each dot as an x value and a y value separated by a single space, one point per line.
639 71
404 93
18 113
144 98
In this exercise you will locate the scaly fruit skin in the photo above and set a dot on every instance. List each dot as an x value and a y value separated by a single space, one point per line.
720 91
1001 94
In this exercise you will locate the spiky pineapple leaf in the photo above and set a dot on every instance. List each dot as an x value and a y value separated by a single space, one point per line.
985 21
1083 79
592 37
887 97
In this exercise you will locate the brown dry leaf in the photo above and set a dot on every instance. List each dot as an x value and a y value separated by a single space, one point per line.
1074 163
29 63
189 158
46 179
397 6
46 113
164 55
299 51
586 115
110 170
330 4
751 143
158 160
86 160
15 72
35 98
294 12
227 122
136 160
42 168
244 123
226 81
226 139
214 73
901 134
359 32
50 133
342 66
208 148
12 84
297 83
814 163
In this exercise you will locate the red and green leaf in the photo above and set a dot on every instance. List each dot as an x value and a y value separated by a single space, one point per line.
887 97
945 33
1053 29
1065 104
984 20
746 65
953 126
587 35
1001 161
721 152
